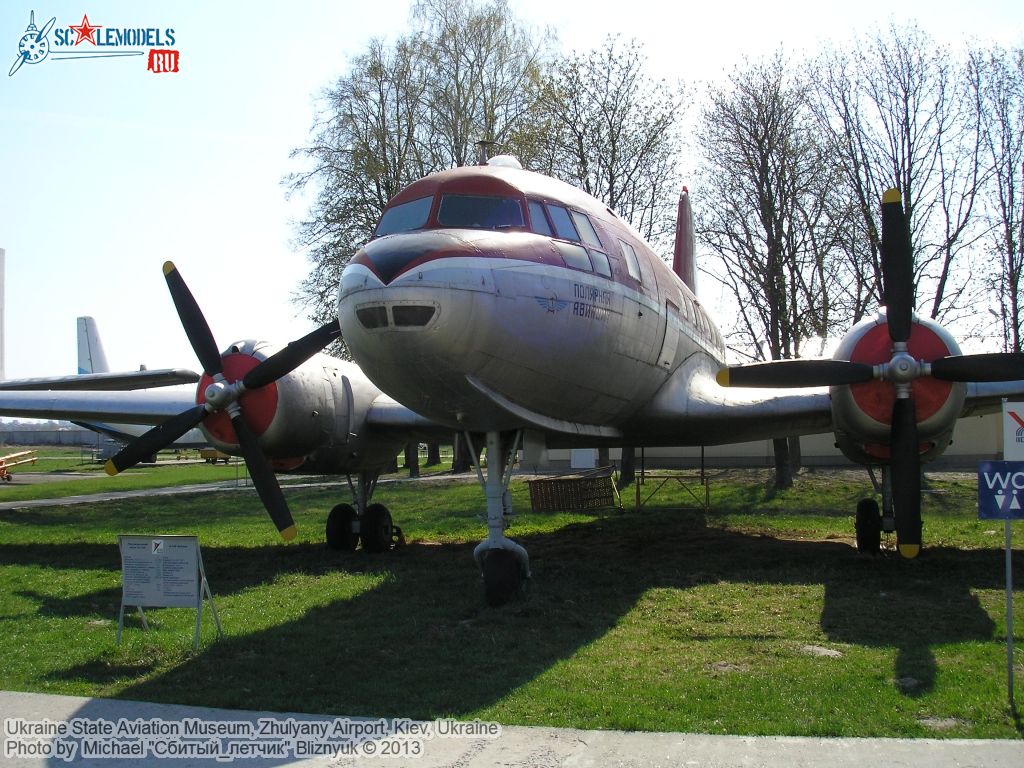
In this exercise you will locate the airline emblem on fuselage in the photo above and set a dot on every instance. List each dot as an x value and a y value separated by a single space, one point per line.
552 304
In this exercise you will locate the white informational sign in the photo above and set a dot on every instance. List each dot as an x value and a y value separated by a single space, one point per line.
1013 431
163 572
160 572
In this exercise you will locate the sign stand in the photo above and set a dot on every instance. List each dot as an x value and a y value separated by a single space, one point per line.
164 572
1009 610
1001 497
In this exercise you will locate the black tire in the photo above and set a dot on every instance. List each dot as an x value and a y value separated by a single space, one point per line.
376 529
869 527
339 528
503 576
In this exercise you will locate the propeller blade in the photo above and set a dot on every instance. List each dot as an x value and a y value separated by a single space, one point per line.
291 357
192 319
263 478
995 366
906 477
17 64
897 267
155 439
796 373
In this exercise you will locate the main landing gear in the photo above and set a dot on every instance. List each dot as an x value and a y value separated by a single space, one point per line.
346 526
871 522
504 564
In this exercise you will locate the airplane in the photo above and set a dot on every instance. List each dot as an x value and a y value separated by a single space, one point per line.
94 373
92 358
492 300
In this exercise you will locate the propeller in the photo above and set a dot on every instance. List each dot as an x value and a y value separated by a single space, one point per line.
901 370
223 395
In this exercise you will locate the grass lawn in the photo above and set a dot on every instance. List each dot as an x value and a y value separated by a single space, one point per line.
757 617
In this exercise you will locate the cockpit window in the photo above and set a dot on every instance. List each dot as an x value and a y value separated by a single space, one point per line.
404 217
478 212
586 229
538 220
564 227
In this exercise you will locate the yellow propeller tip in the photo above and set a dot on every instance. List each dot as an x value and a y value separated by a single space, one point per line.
289 533
169 267
109 468
892 196
910 551
722 377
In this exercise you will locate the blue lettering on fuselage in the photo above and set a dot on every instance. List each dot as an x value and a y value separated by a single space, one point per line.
589 311
599 296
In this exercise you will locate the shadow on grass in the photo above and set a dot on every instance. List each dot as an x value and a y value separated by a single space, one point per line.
422 645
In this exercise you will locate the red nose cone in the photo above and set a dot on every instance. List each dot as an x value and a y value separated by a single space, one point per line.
876 398
258 406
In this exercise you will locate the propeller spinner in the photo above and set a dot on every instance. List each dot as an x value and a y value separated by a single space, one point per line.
901 371
224 395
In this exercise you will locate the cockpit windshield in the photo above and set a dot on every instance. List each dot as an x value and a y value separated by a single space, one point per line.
479 212
405 217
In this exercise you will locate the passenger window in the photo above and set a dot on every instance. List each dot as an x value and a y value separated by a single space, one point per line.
632 264
539 220
405 217
574 256
601 265
585 228
564 227
477 212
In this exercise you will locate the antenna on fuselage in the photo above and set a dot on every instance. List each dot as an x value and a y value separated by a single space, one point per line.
483 151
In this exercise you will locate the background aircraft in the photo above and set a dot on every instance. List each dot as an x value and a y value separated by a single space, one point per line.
493 300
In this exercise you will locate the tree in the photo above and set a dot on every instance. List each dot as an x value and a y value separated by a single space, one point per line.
997 76
896 112
766 183
467 71
613 131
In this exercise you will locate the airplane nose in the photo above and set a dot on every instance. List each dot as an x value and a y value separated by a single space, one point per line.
390 257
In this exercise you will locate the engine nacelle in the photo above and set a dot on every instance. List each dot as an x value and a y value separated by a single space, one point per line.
862 413
302 411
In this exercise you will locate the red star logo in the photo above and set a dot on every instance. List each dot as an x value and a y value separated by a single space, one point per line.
85 30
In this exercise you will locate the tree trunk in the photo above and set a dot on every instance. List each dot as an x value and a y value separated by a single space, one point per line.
412 458
627 467
462 460
433 454
783 471
795 456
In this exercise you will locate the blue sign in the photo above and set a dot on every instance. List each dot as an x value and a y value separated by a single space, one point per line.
1001 490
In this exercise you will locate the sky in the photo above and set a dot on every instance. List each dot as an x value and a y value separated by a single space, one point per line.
107 170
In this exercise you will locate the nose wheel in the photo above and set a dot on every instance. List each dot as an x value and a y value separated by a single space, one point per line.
503 576
504 564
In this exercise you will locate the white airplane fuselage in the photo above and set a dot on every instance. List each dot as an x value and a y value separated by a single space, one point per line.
489 329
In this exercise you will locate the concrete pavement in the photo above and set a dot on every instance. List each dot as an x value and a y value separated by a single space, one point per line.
197 735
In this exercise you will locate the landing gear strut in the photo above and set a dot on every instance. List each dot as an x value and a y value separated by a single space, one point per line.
371 524
870 522
504 564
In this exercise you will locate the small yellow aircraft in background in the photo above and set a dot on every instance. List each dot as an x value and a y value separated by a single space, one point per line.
13 460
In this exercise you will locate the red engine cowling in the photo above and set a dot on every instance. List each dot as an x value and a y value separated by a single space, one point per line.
291 417
862 413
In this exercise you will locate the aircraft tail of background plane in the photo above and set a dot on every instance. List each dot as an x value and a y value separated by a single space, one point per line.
91 357
684 260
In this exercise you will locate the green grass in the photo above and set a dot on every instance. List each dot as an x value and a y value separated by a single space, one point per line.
667 619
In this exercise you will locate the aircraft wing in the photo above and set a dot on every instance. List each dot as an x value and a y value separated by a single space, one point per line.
108 382
692 409
389 416
987 396
133 407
